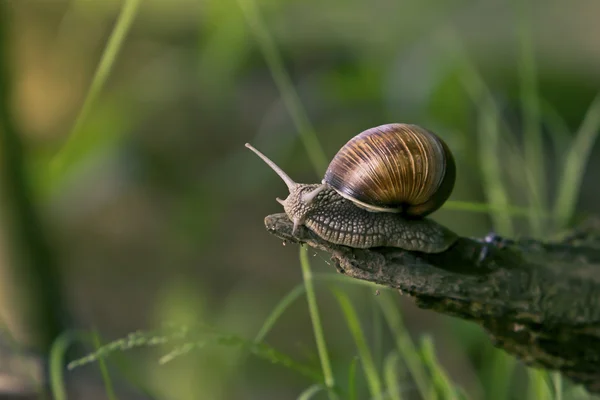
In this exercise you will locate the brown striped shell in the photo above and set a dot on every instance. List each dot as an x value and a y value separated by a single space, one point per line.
394 168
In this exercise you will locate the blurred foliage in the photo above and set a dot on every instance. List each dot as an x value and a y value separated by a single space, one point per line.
155 211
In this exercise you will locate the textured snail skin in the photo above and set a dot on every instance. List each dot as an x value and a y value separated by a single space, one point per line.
339 221
399 168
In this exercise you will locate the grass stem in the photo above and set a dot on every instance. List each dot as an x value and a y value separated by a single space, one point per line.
108 386
56 365
316 321
284 84
533 145
107 61
404 344
574 165
366 358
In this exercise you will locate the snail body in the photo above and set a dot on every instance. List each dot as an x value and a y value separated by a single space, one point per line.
377 191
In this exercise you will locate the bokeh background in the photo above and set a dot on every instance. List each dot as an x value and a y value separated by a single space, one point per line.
151 209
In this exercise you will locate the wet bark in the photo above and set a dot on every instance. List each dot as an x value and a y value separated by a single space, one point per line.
539 301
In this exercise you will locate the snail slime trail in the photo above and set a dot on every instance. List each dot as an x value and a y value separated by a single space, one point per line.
378 191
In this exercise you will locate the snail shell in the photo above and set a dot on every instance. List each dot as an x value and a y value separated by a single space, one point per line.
399 168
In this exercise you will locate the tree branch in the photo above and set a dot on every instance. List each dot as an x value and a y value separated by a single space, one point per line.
538 301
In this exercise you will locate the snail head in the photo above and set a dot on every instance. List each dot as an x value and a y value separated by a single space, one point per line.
300 200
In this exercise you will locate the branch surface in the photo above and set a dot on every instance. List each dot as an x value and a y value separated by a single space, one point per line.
538 301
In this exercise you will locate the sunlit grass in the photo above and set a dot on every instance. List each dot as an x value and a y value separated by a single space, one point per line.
366 358
106 379
557 385
391 374
311 392
57 361
533 143
493 132
499 209
280 308
575 162
442 386
284 84
404 344
316 321
538 385
352 379
489 139
499 374
107 61
299 290
185 339
491 167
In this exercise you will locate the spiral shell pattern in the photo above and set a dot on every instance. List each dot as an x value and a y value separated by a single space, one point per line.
394 168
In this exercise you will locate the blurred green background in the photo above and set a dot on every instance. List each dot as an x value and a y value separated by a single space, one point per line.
151 209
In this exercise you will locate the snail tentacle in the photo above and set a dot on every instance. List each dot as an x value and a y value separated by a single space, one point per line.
285 177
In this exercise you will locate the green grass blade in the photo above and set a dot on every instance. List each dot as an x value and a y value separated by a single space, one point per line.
391 374
134 377
336 277
133 340
490 208
108 386
104 132
575 162
498 377
371 373
491 168
352 379
260 350
115 42
440 378
491 124
284 84
461 394
57 364
296 292
488 131
490 115
184 340
377 331
538 385
268 353
578 393
278 311
557 385
558 130
530 107
316 320
310 392
404 344
477 89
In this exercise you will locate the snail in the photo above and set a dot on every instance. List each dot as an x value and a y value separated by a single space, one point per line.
377 191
